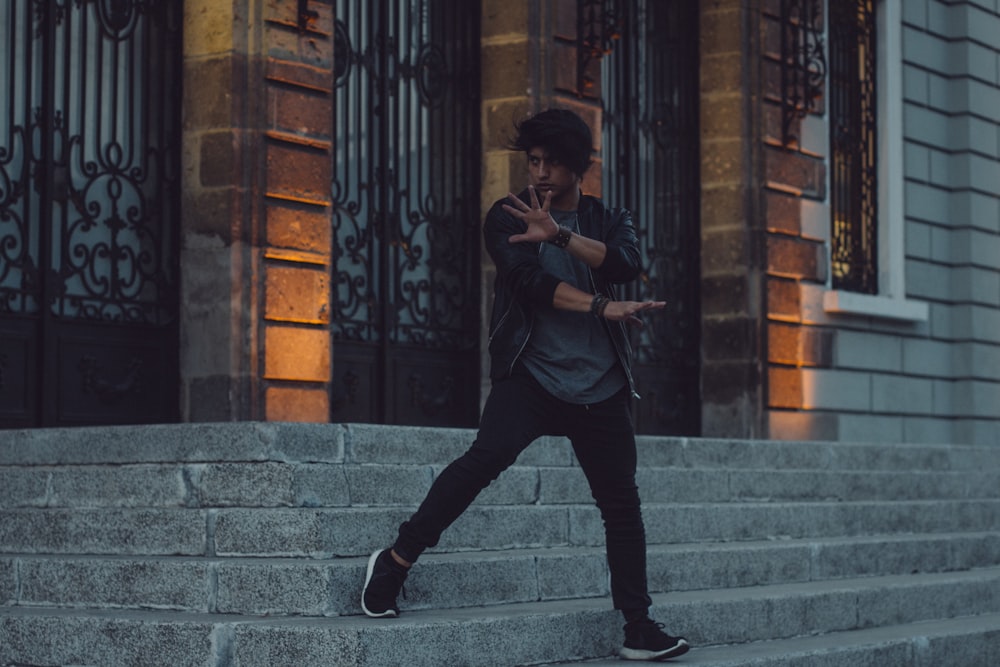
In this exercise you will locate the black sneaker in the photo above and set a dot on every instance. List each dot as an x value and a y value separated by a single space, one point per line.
646 640
383 581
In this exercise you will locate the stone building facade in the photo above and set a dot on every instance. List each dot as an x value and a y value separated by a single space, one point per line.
784 349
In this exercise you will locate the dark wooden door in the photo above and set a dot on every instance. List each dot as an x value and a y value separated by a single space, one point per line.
406 212
89 195
651 166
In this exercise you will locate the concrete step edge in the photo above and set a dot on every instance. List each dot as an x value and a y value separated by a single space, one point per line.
275 441
910 643
547 632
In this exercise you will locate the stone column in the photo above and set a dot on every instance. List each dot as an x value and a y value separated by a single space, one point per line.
255 340
731 214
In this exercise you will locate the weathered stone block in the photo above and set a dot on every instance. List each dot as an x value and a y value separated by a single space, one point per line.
208 101
301 111
297 294
151 584
119 486
208 28
728 381
795 257
784 213
312 45
803 173
721 29
724 252
8 586
298 171
296 354
724 295
301 227
505 69
728 338
902 395
722 162
723 117
273 588
723 206
500 17
800 346
264 484
103 640
721 73
564 65
292 404
836 390
784 388
573 576
23 487
104 531
321 485
387 484
217 155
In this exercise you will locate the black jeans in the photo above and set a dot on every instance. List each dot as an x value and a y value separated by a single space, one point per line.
517 412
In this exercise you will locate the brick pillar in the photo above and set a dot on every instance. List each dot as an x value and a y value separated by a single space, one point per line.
731 214
794 185
255 224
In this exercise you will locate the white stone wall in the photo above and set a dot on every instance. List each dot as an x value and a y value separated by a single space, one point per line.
951 125
920 361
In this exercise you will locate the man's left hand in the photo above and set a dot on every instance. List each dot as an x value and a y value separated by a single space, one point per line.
627 311
541 225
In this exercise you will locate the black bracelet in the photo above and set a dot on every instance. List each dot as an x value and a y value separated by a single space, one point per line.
561 239
598 304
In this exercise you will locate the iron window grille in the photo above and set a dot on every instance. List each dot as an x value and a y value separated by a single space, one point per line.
853 146
803 65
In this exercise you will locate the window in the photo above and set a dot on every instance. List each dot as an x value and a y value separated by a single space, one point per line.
864 117
853 157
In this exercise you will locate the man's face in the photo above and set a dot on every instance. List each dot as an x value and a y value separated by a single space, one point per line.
548 174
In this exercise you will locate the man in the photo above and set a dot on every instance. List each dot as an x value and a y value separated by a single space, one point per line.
560 365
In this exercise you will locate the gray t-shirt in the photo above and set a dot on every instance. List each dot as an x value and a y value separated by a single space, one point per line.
571 354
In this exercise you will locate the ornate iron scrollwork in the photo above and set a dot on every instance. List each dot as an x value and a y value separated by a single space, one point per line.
89 201
598 26
649 92
803 63
405 208
105 390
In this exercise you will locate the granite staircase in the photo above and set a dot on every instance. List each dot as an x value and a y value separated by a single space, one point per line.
244 544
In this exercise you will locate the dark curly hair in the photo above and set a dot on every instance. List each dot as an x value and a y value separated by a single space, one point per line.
560 133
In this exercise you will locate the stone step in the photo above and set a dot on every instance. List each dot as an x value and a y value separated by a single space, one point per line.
275 484
326 533
370 443
545 632
968 641
268 586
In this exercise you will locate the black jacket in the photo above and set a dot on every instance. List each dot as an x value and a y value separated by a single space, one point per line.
522 287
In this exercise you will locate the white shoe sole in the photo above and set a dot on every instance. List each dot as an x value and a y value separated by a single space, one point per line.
388 613
680 648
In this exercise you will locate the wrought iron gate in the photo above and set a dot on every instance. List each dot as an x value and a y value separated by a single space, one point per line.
650 98
406 212
89 163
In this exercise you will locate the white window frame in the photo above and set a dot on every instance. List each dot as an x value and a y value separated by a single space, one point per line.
890 302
